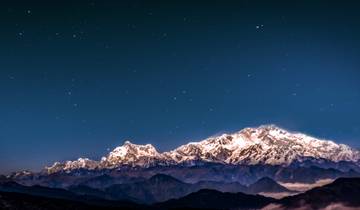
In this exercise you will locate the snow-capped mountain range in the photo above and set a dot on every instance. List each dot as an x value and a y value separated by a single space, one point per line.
267 144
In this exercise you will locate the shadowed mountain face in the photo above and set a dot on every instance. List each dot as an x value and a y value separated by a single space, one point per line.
243 174
221 186
156 189
163 187
104 181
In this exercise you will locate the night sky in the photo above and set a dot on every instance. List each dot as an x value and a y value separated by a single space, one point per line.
79 78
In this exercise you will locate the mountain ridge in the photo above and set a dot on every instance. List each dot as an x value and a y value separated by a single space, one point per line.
267 144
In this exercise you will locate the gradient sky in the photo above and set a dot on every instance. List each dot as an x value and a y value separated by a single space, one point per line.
77 78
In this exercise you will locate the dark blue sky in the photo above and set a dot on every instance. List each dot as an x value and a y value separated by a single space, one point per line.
78 78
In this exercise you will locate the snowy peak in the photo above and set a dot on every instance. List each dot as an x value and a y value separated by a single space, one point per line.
72 165
129 148
301 145
131 154
266 144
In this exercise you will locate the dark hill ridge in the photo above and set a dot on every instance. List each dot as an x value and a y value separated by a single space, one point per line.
212 199
20 201
79 193
10 186
157 188
343 190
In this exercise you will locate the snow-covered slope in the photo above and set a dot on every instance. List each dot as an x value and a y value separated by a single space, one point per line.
133 155
263 145
72 165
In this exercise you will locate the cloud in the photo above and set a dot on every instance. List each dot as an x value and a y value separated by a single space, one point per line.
278 195
339 206
302 187
333 206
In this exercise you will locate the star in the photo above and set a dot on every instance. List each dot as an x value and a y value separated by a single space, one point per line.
259 26
28 11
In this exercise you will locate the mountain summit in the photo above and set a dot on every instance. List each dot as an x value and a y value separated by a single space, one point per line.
266 144
133 155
